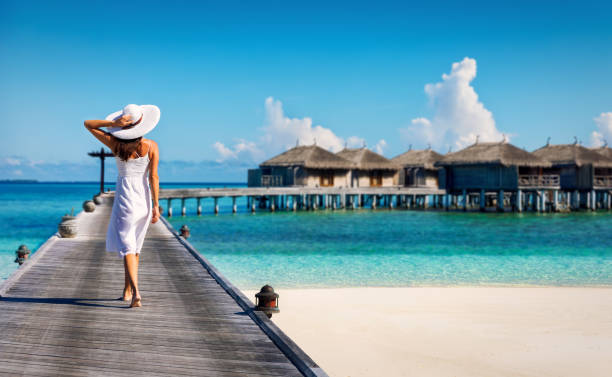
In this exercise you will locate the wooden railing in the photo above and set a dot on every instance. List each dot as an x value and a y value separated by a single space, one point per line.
529 180
271 180
602 181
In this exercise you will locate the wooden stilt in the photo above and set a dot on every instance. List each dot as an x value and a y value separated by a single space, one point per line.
482 200
199 207
183 209
169 207
216 205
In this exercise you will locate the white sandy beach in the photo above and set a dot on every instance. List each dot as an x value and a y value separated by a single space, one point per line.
454 331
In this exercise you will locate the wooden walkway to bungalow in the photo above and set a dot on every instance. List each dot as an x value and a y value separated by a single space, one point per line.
60 314
309 198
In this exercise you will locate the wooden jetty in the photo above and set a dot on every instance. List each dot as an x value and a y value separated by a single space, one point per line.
307 198
60 314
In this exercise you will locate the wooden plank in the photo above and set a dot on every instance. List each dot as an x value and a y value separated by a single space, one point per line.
59 314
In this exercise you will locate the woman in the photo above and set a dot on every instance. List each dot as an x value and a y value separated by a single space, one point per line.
137 159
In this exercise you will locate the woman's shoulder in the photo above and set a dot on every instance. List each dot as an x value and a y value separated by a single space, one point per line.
151 147
150 143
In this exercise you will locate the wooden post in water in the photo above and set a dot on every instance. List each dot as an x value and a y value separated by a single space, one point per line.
216 205
169 207
101 155
482 200
519 200
500 201
183 209
555 200
234 207
199 209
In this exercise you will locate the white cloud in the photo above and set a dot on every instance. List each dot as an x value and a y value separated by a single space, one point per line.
604 129
241 150
280 133
380 146
355 142
458 116
11 161
224 152
285 131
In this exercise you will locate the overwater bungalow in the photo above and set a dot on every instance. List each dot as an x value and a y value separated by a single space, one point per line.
371 169
586 174
306 165
498 174
604 150
417 168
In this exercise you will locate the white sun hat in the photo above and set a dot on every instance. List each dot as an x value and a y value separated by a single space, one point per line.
144 119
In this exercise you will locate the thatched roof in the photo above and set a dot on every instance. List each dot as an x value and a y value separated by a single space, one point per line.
309 156
425 158
365 159
493 153
572 154
605 151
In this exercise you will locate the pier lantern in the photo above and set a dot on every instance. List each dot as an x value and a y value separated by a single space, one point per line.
267 301
22 254
185 233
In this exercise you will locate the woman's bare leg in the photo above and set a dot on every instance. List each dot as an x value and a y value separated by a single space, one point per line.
127 288
131 261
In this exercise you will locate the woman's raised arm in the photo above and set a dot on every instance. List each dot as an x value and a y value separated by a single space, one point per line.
94 126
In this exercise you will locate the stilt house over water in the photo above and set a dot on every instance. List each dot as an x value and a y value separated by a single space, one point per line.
417 168
371 169
604 150
310 166
586 175
501 175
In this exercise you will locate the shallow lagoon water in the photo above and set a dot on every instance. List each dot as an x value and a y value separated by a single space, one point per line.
351 248
405 248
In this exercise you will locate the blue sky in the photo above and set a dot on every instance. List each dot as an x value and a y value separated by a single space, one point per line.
238 81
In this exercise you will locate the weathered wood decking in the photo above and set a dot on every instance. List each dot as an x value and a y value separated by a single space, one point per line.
60 315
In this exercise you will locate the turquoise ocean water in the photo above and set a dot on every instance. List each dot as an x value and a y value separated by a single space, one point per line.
353 248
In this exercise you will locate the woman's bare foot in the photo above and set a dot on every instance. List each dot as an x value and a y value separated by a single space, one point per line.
127 295
136 302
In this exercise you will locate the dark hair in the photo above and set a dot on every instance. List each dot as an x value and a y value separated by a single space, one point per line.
125 148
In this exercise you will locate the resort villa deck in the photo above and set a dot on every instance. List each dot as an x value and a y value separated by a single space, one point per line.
371 170
586 174
417 168
499 175
484 176
307 166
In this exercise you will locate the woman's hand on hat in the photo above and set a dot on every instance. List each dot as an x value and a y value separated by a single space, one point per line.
123 121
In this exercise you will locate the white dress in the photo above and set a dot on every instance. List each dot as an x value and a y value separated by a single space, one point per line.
132 208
